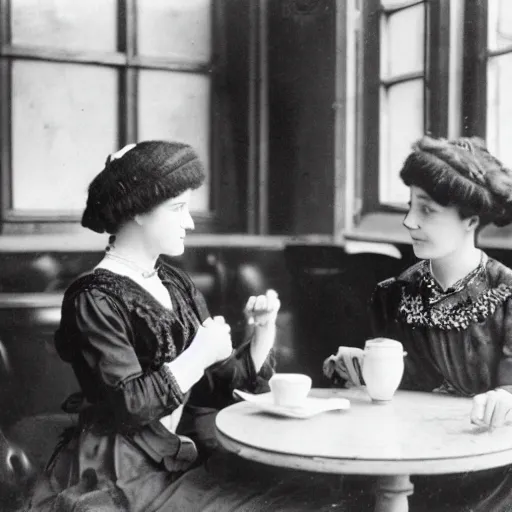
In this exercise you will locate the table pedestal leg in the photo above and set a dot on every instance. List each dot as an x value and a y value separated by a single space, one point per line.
392 492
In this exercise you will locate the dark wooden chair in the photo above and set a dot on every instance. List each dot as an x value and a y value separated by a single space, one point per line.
331 292
17 472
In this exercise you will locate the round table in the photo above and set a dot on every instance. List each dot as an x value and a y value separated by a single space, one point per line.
414 434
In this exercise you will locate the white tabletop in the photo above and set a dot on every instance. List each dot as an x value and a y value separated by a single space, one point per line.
416 433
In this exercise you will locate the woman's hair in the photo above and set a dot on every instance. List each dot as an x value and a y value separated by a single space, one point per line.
462 173
138 180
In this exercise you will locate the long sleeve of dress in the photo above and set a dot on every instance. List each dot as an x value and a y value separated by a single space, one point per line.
135 398
215 389
239 371
504 376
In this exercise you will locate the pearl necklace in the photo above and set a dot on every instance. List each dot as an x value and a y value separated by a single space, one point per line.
146 274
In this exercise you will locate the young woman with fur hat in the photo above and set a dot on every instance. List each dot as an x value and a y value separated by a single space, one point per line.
452 311
152 364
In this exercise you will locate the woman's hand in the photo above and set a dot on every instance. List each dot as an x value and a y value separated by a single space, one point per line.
213 340
347 365
212 343
262 310
490 409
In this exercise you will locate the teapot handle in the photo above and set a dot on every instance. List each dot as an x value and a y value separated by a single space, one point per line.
357 367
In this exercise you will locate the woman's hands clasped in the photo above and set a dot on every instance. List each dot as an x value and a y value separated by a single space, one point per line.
211 344
213 340
491 409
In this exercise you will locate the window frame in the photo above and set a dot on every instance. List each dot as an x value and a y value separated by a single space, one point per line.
385 225
221 215
436 87
474 104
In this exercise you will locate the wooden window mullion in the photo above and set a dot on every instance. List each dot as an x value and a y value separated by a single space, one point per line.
474 91
371 103
5 110
437 68
127 42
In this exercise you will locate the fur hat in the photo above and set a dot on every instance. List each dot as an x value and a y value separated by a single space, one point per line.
464 174
138 178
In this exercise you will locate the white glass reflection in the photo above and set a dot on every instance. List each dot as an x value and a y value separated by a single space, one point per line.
176 106
175 29
392 4
402 123
500 24
499 107
65 24
62 132
402 42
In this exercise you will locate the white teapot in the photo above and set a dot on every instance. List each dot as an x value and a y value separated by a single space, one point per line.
383 368
380 366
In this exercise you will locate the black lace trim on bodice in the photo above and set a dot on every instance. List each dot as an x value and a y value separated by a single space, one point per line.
162 322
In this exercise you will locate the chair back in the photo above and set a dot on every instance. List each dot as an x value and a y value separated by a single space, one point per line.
17 473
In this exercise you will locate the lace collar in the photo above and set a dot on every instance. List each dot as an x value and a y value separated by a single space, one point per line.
471 300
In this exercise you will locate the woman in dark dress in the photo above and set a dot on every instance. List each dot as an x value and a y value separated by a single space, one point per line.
452 310
153 366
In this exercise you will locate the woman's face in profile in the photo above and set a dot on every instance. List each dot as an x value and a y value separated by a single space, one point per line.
436 231
165 227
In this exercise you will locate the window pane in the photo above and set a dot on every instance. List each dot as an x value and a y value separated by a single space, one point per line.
175 29
62 131
393 4
402 42
499 107
402 123
176 106
65 24
500 24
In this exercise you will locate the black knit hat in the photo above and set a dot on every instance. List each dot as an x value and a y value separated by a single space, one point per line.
138 180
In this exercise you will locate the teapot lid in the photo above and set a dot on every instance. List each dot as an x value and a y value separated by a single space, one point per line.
383 343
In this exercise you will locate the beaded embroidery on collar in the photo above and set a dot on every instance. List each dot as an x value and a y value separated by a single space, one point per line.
422 304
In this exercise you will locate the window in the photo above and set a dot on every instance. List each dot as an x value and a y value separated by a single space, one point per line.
81 79
467 69
499 78
405 90
488 74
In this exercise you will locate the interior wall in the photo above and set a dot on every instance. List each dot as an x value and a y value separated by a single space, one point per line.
301 70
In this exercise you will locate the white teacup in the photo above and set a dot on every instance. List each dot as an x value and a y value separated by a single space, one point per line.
290 389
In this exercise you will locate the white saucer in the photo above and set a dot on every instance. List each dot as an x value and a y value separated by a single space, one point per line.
310 407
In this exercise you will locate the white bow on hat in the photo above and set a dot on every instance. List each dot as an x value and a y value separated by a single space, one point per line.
121 152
